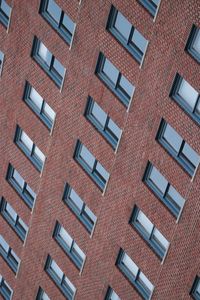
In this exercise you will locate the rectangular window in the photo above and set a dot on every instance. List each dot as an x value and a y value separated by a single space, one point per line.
9 255
163 190
111 295
195 291
134 274
91 165
69 245
168 137
48 62
193 43
23 141
79 208
5 290
114 80
151 6
13 219
39 106
5 13
59 278
103 123
41 295
187 97
1 62
149 232
127 34
58 19
20 186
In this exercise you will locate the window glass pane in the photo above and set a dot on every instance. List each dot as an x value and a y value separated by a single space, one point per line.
68 24
26 141
172 138
99 114
3 244
190 154
44 296
57 270
196 44
160 239
100 169
123 25
15 257
145 282
197 109
45 54
145 222
156 2
54 10
79 252
36 98
175 197
71 286
30 191
87 156
126 86
158 179
198 287
1 56
76 199
131 266
59 68
39 154
188 93
139 40
90 214
114 128
66 237
11 212
114 296
6 8
18 179
111 71
48 111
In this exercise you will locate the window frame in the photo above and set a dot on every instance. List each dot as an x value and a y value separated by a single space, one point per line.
49 70
40 294
110 137
39 113
149 6
5 289
23 193
131 47
10 257
4 18
190 42
81 215
179 157
69 251
96 177
15 225
117 90
109 294
2 56
193 291
67 36
64 288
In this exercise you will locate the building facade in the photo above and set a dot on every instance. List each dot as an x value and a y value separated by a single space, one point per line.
100 151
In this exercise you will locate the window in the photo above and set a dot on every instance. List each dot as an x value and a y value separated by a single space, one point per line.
23 141
9 255
114 80
151 6
69 245
195 291
127 34
102 122
111 295
178 148
48 62
193 43
135 275
149 232
39 106
60 279
58 19
20 186
5 13
41 295
92 166
79 208
13 219
163 190
187 97
5 290
1 62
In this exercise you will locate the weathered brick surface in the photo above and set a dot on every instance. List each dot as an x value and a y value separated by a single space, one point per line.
165 56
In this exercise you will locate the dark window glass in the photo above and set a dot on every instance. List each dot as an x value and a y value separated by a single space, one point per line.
41 295
1 62
111 295
151 6
193 43
5 290
195 291
9 255
5 12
